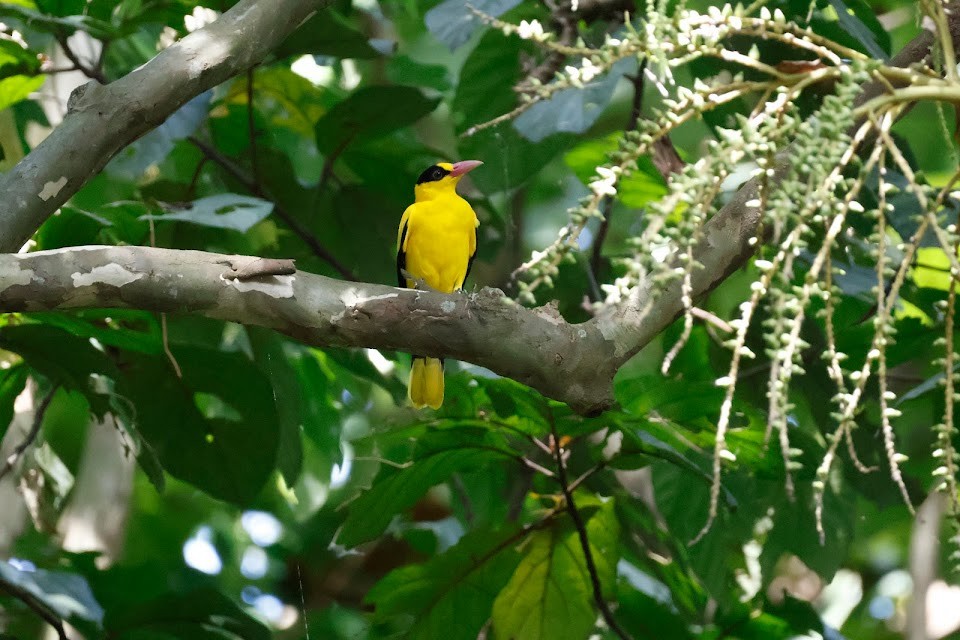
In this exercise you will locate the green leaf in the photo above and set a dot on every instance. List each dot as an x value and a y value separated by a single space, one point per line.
155 146
356 363
126 329
572 110
330 34
550 595
222 211
397 489
683 500
515 405
15 59
402 68
201 614
62 357
643 186
492 68
216 428
855 20
270 355
371 112
12 382
640 441
794 532
452 22
63 25
451 594
647 617
66 594
17 88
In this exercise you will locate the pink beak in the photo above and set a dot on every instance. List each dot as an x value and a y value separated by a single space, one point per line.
464 167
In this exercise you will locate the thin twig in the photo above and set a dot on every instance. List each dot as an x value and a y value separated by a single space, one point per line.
164 335
308 238
327 172
252 131
38 415
584 539
635 110
518 494
195 178
37 605
165 338
102 56
50 71
565 25
460 489
706 316
596 251
91 72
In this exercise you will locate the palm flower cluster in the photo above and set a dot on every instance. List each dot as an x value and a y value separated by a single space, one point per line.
811 174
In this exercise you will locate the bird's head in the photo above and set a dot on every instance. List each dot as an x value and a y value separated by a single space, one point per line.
443 177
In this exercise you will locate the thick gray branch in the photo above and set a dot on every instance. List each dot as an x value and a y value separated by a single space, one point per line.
571 363
103 119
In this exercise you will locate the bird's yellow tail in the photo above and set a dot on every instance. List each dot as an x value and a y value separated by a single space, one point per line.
426 383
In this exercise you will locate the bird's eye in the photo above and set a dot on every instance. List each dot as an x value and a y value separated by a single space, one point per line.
438 174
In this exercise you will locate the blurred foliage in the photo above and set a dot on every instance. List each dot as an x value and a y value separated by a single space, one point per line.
284 491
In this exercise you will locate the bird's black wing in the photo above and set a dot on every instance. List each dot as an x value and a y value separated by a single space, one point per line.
470 260
402 256
469 266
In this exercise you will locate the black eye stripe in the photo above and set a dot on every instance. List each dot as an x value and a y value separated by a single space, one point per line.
433 174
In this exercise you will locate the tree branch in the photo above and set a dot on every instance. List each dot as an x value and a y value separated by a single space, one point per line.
571 363
103 119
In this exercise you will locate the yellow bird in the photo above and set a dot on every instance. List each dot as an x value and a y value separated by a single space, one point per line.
436 244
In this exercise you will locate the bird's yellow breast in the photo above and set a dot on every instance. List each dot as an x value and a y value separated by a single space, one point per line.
441 237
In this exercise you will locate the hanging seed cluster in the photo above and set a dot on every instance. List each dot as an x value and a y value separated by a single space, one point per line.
809 175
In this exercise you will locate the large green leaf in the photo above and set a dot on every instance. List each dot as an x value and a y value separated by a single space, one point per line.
62 357
450 595
329 34
15 59
452 22
485 88
858 19
16 88
572 110
397 489
132 330
550 594
203 614
272 358
216 428
12 382
647 617
484 93
643 186
58 23
66 594
152 148
222 211
370 112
